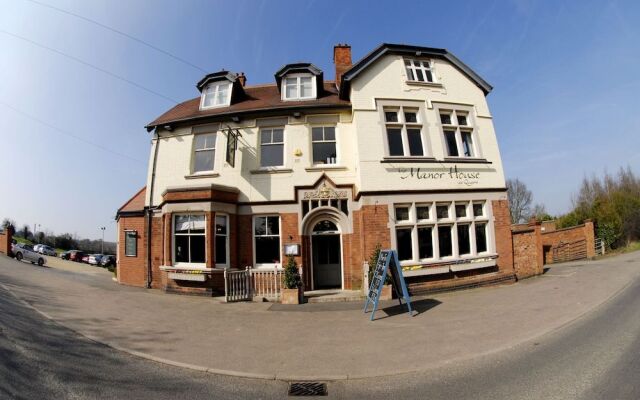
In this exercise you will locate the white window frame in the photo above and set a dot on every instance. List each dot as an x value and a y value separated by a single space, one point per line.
422 65
458 129
404 126
283 143
193 160
226 241
453 221
253 240
335 141
212 89
283 88
173 241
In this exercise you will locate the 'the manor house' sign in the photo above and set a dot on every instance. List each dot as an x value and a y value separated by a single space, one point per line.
462 178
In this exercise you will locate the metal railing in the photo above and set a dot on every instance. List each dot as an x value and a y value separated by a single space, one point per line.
252 283
599 247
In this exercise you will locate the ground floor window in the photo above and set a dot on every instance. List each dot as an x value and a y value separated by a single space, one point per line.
189 244
266 235
130 243
222 240
432 231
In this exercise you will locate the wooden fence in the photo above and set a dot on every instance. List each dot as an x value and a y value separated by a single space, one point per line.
568 251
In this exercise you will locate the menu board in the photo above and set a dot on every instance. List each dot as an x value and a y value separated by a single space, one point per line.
387 263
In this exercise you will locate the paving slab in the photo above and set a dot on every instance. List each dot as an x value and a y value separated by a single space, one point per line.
320 341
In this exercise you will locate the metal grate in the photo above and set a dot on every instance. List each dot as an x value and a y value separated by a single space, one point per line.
307 389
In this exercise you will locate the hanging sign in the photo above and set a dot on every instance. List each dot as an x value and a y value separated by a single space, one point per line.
387 263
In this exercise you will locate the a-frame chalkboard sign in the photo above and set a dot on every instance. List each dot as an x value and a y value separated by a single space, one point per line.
387 262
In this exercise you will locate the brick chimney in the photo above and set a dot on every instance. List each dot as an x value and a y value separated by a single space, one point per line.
242 78
342 60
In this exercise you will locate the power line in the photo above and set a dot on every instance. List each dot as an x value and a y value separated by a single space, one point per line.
182 60
104 71
55 128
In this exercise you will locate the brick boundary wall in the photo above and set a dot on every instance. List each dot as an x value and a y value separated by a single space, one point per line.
5 242
527 250
553 238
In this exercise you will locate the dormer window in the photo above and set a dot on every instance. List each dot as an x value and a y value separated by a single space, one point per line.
216 94
298 87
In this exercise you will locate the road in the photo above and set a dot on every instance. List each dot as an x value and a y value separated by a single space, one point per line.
594 357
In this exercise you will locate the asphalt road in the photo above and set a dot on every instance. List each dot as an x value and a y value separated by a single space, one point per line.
595 357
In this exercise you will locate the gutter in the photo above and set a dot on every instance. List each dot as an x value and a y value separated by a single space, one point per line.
149 210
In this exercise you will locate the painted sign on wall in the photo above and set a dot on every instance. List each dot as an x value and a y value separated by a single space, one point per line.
467 178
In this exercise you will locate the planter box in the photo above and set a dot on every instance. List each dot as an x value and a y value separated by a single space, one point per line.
292 296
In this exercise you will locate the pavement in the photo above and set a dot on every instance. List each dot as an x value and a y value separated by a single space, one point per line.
323 341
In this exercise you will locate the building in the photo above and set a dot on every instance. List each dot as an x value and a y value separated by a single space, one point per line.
399 150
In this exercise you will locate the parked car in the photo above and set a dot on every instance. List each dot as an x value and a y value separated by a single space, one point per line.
36 248
65 255
108 260
46 250
94 259
25 252
76 255
85 259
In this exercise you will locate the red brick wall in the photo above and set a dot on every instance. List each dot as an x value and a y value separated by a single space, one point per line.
157 249
527 251
245 241
502 226
132 270
5 242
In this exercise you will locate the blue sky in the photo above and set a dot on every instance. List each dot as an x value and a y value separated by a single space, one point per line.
73 147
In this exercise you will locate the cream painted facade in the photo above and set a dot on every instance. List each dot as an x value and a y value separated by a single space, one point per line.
361 143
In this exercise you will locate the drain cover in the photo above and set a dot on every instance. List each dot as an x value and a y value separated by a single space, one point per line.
307 389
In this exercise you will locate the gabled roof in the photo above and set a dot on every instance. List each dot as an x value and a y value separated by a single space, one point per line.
134 204
407 50
257 99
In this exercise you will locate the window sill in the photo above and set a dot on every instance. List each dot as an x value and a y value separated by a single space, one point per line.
271 170
322 167
181 268
408 160
427 84
202 175
470 160
451 265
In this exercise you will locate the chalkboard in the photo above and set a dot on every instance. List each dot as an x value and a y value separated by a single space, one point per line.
387 262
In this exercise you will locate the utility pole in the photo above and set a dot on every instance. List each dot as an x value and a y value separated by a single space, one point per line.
102 228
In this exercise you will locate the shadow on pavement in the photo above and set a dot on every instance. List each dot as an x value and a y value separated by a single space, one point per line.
418 307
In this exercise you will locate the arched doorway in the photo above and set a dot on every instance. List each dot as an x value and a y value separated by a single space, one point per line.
326 255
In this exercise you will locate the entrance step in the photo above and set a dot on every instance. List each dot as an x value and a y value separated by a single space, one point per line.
332 296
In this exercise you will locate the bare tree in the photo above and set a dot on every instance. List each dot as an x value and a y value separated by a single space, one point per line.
26 232
520 199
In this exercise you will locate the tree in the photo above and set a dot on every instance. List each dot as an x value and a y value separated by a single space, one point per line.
9 225
291 275
539 212
520 199
26 232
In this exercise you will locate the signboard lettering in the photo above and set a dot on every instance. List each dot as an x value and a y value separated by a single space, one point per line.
468 178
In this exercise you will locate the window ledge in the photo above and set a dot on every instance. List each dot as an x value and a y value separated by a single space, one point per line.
470 160
202 175
428 84
322 167
462 264
271 170
408 160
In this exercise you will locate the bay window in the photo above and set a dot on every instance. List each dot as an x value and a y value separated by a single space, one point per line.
189 245
222 241
433 231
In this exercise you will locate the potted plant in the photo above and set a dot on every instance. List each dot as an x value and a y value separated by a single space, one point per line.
386 293
292 292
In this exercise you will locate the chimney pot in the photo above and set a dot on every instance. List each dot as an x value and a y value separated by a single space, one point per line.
242 78
342 60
